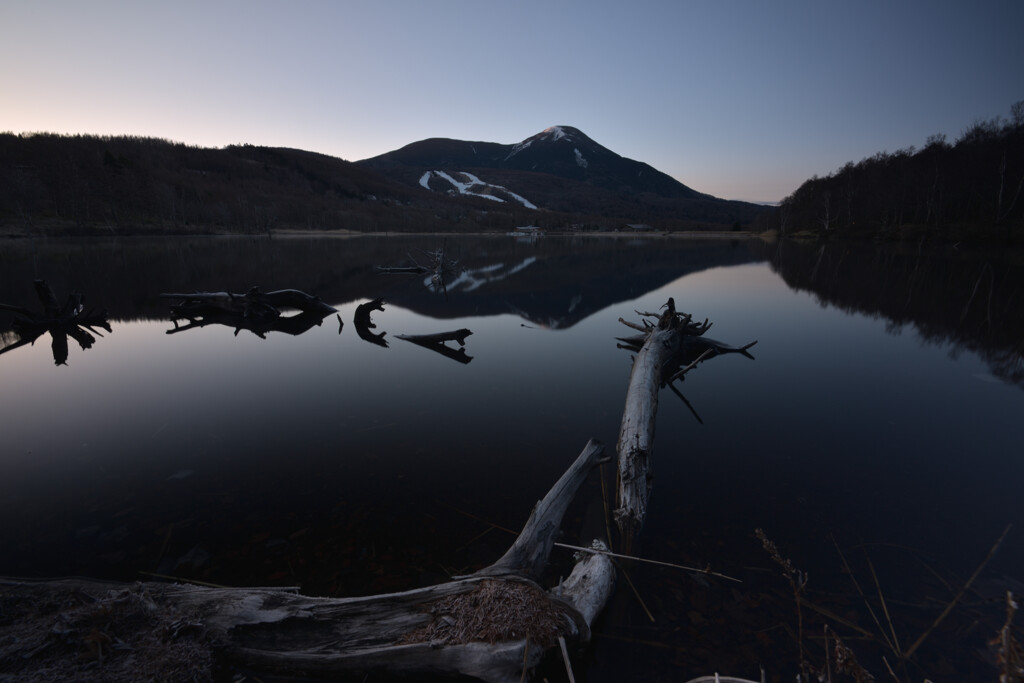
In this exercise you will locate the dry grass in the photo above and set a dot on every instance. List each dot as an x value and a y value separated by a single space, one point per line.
495 611
115 635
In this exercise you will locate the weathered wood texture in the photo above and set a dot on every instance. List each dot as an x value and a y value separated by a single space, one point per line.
489 625
531 550
636 433
665 351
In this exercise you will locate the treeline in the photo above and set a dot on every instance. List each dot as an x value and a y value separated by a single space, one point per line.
87 184
973 186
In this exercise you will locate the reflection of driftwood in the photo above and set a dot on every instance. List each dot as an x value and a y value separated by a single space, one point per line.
256 311
490 625
252 304
293 324
666 345
61 322
439 266
401 269
436 342
364 324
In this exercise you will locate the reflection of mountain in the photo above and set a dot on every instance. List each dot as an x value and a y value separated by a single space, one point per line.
552 282
970 299
557 288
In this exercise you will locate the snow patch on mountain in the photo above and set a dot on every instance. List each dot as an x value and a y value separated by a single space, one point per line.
556 133
580 161
518 148
472 186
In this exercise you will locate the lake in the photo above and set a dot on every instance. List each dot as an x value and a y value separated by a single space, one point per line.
876 437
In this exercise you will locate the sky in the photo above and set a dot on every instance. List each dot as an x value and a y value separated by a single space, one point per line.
741 99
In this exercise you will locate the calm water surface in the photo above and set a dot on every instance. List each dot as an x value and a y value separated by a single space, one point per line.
881 418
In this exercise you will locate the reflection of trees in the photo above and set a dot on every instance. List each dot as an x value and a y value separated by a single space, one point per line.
971 299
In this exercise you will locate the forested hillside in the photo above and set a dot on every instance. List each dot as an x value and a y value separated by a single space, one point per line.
132 185
972 187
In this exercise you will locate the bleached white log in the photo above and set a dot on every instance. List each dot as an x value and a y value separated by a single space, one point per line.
636 433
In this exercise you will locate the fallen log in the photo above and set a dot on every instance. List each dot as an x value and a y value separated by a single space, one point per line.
636 432
491 625
661 352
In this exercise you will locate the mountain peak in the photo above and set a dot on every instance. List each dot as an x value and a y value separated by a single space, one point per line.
556 132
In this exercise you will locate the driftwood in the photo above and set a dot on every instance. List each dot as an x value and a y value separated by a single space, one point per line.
256 311
436 342
440 268
490 625
61 322
673 340
494 624
364 324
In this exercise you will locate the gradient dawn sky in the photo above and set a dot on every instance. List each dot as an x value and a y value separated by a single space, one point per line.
739 99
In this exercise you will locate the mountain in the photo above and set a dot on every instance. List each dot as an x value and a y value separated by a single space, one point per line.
559 169
125 185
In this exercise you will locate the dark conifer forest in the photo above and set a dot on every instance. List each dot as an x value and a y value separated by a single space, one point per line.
969 188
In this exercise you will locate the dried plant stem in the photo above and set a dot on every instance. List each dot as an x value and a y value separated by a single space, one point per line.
565 658
917 643
798 582
863 597
828 666
641 559
578 548
607 510
1009 652
475 538
183 580
526 654
891 672
481 519
636 592
829 614
681 373
885 608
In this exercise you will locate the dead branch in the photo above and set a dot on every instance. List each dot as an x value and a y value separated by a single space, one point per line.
489 625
